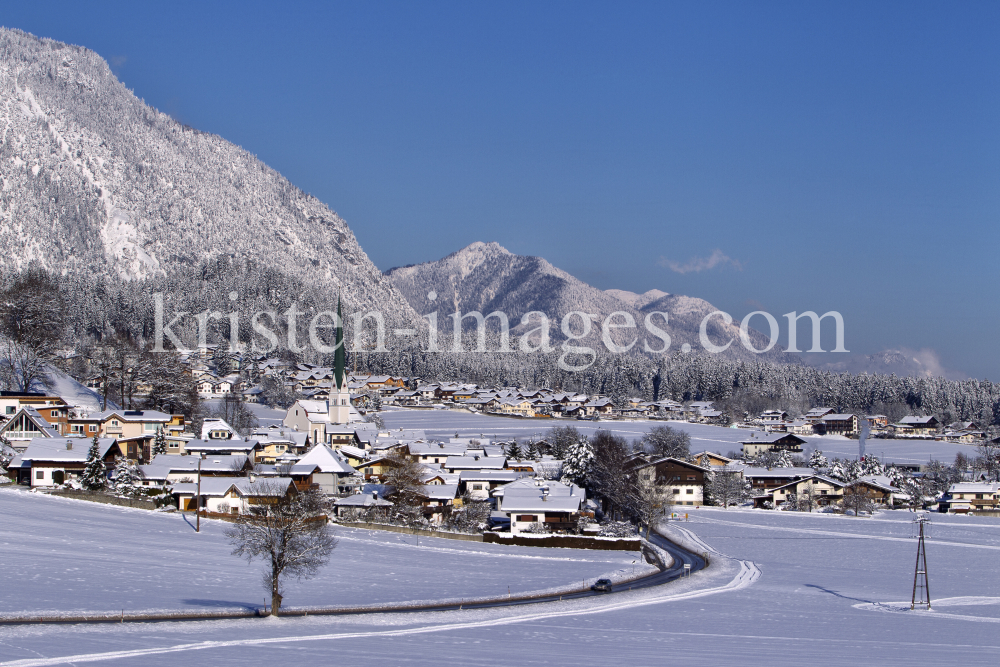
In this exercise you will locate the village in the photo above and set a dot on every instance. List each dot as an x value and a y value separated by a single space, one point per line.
332 439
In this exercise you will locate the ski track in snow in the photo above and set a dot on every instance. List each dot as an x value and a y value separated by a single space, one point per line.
903 607
747 575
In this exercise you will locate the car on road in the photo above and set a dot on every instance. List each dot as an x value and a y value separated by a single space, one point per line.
602 585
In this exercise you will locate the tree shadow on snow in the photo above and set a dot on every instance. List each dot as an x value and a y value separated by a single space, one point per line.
835 593
220 603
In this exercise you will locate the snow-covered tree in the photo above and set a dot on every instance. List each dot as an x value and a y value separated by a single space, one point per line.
95 473
578 463
817 460
159 443
531 453
663 441
513 451
127 478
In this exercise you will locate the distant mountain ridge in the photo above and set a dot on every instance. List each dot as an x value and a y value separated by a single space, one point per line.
94 180
486 277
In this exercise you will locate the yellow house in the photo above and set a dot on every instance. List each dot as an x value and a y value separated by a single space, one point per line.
131 423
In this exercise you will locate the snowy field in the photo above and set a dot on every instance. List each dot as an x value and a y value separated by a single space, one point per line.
446 423
74 555
795 589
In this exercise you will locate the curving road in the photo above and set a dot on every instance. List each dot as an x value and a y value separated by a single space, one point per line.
680 555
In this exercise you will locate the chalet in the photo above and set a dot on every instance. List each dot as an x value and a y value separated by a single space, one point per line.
707 459
329 469
916 426
461 463
816 414
965 497
479 484
165 470
772 417
131 423
26 425
528 501
54 461
435 452
52 408
228 495
367 499
249 448
213 428
822 490
771 478
837 424
680 482
437 501
758 443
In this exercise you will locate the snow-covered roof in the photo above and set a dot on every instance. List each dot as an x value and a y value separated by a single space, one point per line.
326 460
439 491
475 462
64 450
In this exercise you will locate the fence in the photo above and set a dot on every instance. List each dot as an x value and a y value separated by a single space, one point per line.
566 541
98 497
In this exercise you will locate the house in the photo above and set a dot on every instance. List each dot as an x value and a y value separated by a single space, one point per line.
166 469
479 484
228 495
821 489
915 426
530 501
437 501
51 408
316 417
249 448
329 468
711 459
368 498
758 443
435 452
277 442
816 414
24 426
214 428
764 479
476 462
53 461
773 417
965 497
837 424
680 482
131 423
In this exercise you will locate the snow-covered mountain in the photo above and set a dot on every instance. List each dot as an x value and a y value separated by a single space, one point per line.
486 277
92 179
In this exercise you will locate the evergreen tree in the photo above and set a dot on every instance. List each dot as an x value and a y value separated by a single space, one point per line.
159 443
578 463
127 478
95 473
514 451
532 453
817 460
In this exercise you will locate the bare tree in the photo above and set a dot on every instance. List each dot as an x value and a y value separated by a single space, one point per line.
610 476
649 500
32 319
291 535
236 413
989 459
403 474
726 487
664 441
858 498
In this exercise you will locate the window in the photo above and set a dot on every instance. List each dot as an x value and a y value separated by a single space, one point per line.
93 427
10 409
40 474
55 413
690 491
528 517
477 487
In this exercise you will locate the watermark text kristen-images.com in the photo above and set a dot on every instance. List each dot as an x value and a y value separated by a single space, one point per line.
576 326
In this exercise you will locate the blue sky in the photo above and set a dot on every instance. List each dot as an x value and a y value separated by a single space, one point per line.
830 156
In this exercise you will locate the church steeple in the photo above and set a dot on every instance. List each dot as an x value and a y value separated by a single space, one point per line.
339 356
340 396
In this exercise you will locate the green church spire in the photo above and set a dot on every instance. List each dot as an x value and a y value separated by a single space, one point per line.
339 356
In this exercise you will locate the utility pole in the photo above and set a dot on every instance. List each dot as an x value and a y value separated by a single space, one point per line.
197 502
921 591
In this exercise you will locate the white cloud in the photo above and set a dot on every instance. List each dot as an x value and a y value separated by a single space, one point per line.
699 264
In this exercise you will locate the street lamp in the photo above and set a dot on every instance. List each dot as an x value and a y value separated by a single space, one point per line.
197 502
